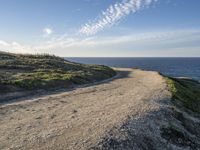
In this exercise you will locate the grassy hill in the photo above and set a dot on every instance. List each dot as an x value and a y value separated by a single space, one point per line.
32 72
186 91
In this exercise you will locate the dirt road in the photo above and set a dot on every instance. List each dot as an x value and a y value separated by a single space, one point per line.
81 118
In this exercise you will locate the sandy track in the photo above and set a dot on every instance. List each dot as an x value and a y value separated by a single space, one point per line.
79 119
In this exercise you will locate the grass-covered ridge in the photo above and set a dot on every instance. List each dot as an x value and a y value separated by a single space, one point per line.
183 130
31 72
186 91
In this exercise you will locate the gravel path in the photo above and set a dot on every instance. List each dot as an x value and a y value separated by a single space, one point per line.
84 117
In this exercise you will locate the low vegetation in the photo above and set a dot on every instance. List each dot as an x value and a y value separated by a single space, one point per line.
186 91
185 128
32 72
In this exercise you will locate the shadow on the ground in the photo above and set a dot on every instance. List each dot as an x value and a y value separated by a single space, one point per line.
158 129
31 95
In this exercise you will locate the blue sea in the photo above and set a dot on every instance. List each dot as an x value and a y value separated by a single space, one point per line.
175 67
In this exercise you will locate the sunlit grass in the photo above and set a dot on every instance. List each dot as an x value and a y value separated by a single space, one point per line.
28 72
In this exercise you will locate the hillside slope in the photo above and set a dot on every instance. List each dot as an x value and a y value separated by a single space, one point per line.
32 72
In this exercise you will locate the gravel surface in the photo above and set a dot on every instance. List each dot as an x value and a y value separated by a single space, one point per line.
123 113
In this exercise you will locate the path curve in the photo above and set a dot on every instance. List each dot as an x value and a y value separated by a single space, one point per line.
79 119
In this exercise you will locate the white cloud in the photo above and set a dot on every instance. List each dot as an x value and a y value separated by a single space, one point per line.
151 43
3 43
157 43
47 31
114 14
15 47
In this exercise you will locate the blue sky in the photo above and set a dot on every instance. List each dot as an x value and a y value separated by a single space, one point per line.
101 28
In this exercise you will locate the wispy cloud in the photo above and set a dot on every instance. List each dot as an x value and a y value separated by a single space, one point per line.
47 31
3 43
114 14
157 43
15 47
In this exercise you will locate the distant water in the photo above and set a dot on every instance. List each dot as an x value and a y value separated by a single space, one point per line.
175 67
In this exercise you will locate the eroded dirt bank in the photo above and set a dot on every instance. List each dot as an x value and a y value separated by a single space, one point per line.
124 113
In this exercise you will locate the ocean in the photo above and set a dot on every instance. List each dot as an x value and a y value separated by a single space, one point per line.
174 67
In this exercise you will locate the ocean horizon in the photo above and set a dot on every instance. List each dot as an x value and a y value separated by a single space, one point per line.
170 66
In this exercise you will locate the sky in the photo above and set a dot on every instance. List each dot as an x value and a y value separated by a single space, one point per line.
101 28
